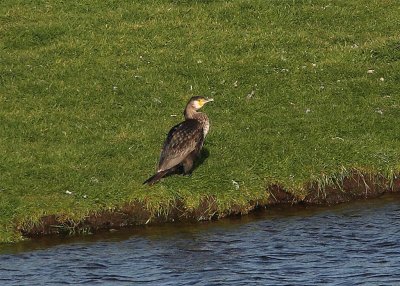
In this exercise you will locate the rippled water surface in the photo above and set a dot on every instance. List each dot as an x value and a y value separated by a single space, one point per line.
351 244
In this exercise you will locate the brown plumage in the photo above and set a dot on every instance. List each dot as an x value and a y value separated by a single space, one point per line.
184 141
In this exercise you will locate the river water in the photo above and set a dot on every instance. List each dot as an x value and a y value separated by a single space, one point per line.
349 244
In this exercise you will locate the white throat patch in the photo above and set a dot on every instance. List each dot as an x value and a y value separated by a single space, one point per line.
196 105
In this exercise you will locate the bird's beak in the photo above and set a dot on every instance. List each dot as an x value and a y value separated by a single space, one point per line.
210 99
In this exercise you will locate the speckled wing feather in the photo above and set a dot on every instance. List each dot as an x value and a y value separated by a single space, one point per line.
181 140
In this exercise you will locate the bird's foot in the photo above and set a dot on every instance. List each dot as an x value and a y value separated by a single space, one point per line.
187 174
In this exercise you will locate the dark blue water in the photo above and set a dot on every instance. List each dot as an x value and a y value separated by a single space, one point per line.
351 244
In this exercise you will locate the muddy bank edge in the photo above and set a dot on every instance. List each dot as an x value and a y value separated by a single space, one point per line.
355 185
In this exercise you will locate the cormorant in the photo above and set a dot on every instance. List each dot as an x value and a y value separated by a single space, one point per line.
184 141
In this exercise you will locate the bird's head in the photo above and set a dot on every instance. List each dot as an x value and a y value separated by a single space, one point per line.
198 102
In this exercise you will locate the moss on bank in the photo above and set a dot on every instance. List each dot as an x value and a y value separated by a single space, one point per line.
349 186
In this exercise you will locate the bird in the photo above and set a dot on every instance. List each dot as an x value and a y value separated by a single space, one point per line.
184 141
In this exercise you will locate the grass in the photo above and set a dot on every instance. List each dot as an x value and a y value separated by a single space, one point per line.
87 91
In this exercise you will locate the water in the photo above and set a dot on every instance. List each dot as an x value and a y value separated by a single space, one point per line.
350 244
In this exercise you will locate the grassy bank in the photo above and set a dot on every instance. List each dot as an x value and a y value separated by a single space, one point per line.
303 90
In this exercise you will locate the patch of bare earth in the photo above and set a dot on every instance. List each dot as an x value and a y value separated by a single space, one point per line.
352 187
355 186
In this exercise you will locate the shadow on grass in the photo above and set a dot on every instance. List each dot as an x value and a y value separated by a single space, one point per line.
204 154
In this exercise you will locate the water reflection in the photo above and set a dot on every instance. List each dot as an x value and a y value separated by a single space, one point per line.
351 243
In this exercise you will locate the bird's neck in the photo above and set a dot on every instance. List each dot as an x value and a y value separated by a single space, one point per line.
191 113
199 116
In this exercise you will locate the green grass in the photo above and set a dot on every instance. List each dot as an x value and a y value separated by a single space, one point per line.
87 91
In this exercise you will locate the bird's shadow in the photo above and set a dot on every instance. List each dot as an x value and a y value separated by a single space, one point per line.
204 154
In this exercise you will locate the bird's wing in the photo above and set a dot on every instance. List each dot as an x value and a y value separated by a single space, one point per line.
181 140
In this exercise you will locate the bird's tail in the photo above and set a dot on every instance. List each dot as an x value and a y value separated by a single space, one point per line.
155 178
